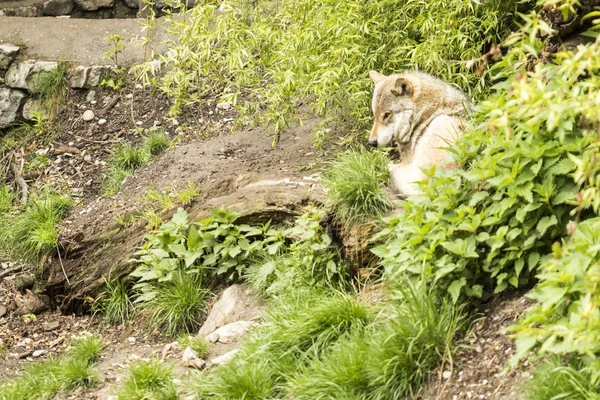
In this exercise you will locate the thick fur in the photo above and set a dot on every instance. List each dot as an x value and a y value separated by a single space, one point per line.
422 115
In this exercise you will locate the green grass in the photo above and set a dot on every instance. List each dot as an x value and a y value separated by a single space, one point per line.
164 200
34 231
129 158
148 380
7 199
196 343
115 303
156 142
42 380
177 304
114 178
553 380
50 85
356 182
187 195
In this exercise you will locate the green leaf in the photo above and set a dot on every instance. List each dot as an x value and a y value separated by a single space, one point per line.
545 223
455 287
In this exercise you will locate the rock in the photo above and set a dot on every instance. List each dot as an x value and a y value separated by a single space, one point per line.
22 11
131 340
88 115
191 359
93 5
8 53
87 158
50 326
101 121
32 106
25 74
446 374
225 358
169 349
30 303
39 353
24 282
132 3
10 105
3 310
58 7
226 105
229 333
91 96
234 304
82 77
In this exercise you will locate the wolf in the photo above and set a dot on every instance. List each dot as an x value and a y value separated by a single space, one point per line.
422 115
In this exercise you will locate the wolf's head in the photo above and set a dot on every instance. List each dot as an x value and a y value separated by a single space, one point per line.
393 108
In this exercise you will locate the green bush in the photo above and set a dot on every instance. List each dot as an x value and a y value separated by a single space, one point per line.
115 302
281 54
148 380
489 224
356 182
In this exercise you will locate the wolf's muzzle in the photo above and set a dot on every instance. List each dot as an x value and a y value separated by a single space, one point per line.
372 142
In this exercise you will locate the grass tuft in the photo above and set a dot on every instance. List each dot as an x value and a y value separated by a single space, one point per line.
555 380
76 372
7 199
34 231
156 142
148 380
356 182
177 304
129 158
115 303
196 343
187 195
87 349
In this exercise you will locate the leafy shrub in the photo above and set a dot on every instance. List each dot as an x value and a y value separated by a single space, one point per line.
148 380
280 54
115 302
488 225
33 231
356 182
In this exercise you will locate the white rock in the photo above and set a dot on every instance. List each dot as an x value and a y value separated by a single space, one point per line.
25 74
101 121
87 158
88 115
8 53
191 359
39 353
446 374
10 103
91 96
225 358
131 340
229 332
225 105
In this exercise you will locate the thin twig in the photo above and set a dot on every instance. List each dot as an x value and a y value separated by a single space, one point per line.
62 266
10 271
19 178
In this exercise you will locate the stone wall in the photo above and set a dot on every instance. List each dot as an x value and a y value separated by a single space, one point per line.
73 8
18 77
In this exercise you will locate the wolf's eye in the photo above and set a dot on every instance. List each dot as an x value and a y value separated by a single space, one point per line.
386 115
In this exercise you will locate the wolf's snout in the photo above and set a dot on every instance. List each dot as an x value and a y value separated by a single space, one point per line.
372 142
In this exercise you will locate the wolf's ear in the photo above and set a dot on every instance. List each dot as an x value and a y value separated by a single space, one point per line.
402 88
376 76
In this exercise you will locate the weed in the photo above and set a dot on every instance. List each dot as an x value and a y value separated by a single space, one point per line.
75 372
51 86
116 48
125 220
115 302
37 163
129 158
87 348
196 343
153 220
356 180
555 380
35 230
148 380
175 305
7 199
156 142
114 178
187 195
164 199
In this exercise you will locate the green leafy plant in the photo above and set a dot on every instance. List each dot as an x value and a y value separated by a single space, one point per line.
189 194
271 58
148 380
117 47
356 182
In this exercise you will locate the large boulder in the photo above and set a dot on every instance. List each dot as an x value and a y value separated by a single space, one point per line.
93 5
10 106
25 74
8 53
32 106
58 7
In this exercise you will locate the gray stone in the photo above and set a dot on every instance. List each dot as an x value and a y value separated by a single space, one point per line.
229 333
225 358
23 11
3 310
32 106
88 115
82 77
91 96
50 326
191 359
8 53
92 5
24 282
39 353
236 303
58 7
10 105
133 3
25 74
